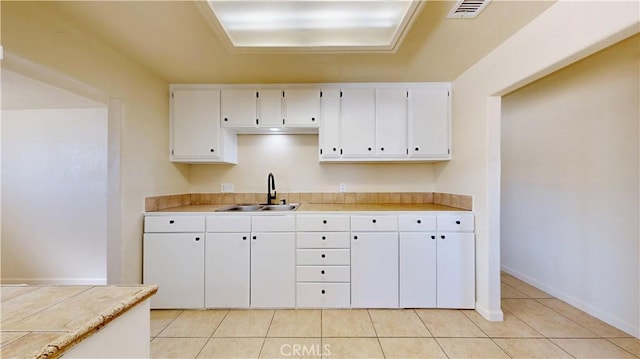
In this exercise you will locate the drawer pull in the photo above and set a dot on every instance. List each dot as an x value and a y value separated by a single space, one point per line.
355 238
322 271
324 238
171 221
374 221
197 239
322 291
419 221
323 255
457 222
244 238
442 236
254 238
324 221
433 237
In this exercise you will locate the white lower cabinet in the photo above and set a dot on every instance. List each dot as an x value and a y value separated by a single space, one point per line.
322 259
273 270
227 271
374 269
456 270
175 262
418 270
373 260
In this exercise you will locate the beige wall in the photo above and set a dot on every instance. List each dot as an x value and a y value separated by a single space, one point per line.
546 44
570 197
35 31
293 159
54 184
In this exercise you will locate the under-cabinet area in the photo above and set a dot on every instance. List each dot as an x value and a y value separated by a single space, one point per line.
355 122
311 260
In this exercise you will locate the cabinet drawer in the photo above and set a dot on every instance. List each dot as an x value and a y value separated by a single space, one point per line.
323 295
323 273
323 257
229 224
174 224
323 240
323 223
266 223
456 223
417 223
374 223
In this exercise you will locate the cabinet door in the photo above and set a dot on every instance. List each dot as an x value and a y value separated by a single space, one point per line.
270 108
456 270
329 132
227 270
391 123
175 262
374 270
357 122
429 123
195 122
302 107
273 270
238 107
417 270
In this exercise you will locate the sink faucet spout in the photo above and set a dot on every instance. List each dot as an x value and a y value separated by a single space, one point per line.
271 185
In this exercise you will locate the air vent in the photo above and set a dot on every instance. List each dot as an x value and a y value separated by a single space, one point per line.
467 9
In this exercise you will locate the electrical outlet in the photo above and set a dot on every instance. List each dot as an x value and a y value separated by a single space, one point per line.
226 187
343 187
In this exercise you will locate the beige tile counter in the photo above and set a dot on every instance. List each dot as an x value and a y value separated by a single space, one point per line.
322 207
46 321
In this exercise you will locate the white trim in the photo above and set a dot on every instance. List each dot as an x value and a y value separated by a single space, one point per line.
490 315
619 323
54 281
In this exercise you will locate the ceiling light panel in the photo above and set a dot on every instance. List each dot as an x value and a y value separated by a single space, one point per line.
313 24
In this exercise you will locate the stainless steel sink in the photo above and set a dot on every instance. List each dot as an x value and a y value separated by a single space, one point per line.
253 207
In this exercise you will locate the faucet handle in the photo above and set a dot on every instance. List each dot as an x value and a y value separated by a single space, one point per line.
283 201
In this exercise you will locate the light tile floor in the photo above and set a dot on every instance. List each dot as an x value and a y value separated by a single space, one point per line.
535 325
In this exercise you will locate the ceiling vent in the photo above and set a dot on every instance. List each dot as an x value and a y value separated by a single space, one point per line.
467 9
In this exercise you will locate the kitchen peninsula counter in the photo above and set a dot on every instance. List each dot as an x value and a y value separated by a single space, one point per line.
321 207
48 321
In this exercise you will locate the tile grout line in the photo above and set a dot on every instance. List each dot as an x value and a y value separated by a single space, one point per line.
430 332
168 324
544 336
376 332
267 333
212 333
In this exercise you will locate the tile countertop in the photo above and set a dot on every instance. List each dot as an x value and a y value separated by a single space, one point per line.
46 321
313 207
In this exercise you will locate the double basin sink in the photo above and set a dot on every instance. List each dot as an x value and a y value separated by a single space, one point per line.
254 207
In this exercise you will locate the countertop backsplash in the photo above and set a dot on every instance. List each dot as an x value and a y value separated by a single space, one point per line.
463 202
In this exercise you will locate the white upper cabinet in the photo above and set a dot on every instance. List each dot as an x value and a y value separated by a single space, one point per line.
269 108
429 125
196 135
239 107
357 122
329 133
302 107
391 123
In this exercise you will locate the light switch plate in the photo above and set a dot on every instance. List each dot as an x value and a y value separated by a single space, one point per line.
343 187
226 187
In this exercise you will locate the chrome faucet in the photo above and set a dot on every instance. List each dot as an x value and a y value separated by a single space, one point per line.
271 185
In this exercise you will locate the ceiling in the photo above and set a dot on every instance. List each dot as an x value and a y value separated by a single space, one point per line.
176 41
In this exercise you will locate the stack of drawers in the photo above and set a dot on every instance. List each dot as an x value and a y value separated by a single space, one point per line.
323 261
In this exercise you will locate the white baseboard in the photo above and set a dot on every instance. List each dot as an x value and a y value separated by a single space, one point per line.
626 327
490 315
55 281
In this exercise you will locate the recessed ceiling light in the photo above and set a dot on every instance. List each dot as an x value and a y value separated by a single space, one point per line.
313 24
